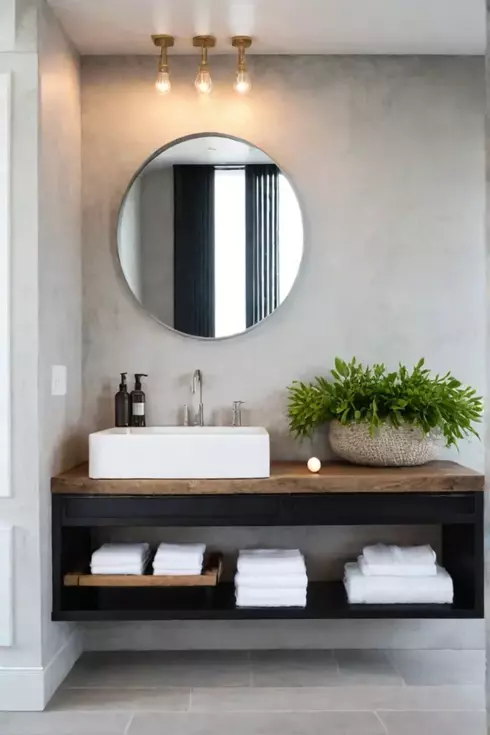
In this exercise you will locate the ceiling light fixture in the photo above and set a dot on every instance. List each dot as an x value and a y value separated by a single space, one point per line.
242 81
162 83
204 83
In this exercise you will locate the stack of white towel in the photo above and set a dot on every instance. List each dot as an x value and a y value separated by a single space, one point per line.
120 559
395 575
271 578
178 559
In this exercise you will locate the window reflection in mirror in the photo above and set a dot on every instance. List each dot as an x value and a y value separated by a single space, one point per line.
210 236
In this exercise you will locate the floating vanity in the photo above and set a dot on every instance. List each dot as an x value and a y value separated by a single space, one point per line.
441 494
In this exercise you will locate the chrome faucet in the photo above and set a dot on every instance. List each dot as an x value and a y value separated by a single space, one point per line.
237 413
197 381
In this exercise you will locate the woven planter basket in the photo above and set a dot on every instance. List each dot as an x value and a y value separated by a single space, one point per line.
389 447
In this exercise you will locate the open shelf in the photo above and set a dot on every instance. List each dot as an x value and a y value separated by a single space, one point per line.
325 600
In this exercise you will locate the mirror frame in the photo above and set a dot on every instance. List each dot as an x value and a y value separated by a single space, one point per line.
120 211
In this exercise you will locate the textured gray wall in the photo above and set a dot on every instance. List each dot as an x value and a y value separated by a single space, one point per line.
387 157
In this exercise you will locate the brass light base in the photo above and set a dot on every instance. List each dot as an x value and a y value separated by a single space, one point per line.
163 41
204 41
241 41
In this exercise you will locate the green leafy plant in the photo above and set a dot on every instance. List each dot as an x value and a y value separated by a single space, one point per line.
437 404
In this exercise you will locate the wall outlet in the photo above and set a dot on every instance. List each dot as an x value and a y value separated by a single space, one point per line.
58 380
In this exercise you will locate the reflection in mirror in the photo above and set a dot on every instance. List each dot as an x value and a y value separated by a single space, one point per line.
210 236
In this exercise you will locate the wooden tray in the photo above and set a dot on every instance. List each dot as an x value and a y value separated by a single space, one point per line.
209 578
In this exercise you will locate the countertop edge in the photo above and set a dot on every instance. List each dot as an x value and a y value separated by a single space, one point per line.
287 478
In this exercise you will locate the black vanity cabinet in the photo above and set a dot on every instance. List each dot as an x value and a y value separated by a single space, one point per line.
441 494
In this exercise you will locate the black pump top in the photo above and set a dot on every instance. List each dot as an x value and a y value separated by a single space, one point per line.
137 380
122 384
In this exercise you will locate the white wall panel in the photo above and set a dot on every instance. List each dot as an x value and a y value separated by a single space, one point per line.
5 398
6 586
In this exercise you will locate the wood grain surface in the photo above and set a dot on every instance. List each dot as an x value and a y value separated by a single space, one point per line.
287 478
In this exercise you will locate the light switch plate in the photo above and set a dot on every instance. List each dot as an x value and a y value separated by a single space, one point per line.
58 380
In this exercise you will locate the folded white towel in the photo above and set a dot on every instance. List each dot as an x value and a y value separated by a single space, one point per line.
270 598
120 564
182 562
397 590
177 564
397 570
139 569
162 572
270 603
175 572
271 561
382 554
180 551
126 565
247 580
120 553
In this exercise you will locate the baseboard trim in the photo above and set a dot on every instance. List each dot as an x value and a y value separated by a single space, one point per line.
61 664
21 689
29 688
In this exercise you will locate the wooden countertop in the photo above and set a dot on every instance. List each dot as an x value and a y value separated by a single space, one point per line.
288 477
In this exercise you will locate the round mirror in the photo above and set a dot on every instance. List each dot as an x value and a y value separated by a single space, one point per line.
210 236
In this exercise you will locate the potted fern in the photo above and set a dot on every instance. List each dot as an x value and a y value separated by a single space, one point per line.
385 418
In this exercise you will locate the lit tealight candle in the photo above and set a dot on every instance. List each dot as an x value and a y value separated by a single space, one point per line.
314 464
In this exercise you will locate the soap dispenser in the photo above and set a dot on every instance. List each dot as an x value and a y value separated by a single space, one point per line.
122 404
138 402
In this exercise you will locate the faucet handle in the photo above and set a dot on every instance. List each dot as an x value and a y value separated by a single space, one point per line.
237 412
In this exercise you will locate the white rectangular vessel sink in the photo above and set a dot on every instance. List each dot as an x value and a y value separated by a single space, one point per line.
180 452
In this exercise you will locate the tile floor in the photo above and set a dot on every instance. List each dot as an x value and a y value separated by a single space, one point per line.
265 693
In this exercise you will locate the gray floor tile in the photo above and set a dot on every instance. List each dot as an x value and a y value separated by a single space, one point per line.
63 723
331 723
434 723
366 667
293 668
117 699
342 698
417 698
429 668
130 669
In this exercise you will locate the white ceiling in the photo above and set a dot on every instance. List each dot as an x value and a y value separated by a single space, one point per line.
279 26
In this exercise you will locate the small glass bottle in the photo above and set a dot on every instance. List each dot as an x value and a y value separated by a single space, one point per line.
122 403
138 402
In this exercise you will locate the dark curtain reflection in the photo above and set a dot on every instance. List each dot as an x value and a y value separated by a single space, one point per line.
194 250
262 241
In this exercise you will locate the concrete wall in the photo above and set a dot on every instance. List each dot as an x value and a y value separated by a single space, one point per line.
387 157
